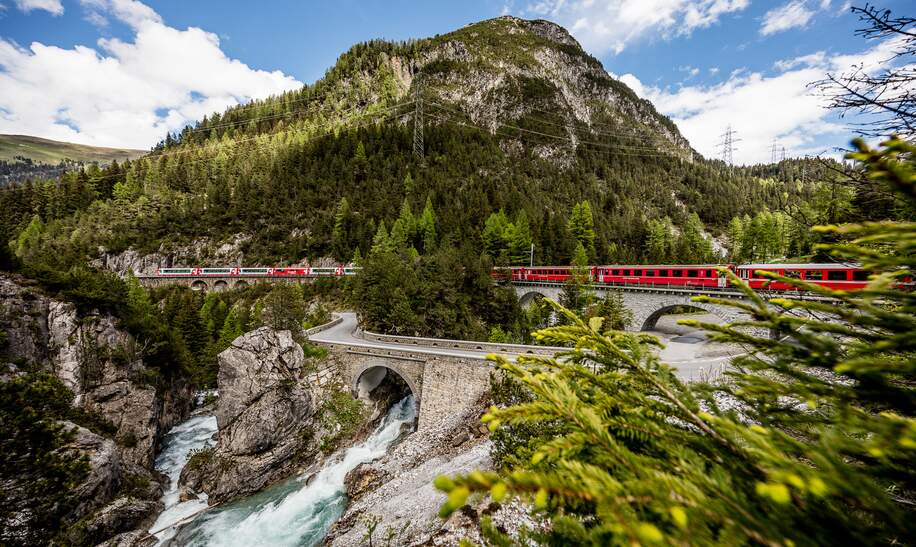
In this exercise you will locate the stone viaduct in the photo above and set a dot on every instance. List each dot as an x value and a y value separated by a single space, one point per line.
216 283
648 303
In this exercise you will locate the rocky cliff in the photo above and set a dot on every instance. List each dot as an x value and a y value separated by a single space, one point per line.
103 366
264 414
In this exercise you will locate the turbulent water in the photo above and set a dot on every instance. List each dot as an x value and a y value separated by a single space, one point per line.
192 434
295 513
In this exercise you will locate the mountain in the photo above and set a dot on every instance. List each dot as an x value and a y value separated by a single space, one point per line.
14 147
500 73
505 122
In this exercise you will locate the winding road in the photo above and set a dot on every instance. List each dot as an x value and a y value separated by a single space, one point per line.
686 350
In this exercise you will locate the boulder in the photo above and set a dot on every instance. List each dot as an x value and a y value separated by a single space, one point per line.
264 415
104 474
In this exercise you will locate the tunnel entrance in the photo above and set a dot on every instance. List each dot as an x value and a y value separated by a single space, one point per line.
381 387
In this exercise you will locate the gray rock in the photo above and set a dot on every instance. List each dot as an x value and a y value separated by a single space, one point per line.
104 475
122 516
264 412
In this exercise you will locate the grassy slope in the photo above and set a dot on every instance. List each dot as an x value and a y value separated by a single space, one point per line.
48 151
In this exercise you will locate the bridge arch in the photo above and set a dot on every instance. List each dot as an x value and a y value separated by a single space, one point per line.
371 374
530 297
220 285
241 283
649 322
199 285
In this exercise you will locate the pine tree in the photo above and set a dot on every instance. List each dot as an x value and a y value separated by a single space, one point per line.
815 446
519 238
658 241
494 234
735 237
427 227
381 243
582 227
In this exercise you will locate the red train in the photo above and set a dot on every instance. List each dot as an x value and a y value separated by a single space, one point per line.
233 271
834 276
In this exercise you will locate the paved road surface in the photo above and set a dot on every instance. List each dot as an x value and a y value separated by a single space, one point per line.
694 358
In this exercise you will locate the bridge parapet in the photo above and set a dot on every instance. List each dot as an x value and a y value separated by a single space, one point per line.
443 343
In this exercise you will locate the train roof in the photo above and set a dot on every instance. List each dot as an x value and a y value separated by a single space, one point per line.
630 266
826 266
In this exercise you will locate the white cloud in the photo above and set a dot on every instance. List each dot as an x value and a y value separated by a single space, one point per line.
763 108
791 15
125 94
612 25
54 7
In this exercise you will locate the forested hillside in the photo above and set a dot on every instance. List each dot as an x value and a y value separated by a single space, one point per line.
525 140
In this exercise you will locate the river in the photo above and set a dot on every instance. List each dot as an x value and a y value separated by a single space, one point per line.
292 512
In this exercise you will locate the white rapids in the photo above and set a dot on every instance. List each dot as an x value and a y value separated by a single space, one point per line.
194 433
292 512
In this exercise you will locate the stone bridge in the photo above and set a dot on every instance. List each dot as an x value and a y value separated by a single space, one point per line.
444 376
647 303
207 283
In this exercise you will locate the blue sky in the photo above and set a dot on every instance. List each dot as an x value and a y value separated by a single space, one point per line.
122 73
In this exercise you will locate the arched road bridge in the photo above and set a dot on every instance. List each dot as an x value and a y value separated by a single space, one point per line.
445 376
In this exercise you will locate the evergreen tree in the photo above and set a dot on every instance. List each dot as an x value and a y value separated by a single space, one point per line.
494 234
695 248
519 238
735 235
381 243
814 447
658 241
582 227
427 227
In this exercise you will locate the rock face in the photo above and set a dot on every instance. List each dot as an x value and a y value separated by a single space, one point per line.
500 70
199 251
398 489
104 469
264 415
104 368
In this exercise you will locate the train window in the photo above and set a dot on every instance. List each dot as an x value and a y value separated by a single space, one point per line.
625 272
691 273
836 275
650 273
637 273
817 275
676 273
793 274
615 272
859 275
663 273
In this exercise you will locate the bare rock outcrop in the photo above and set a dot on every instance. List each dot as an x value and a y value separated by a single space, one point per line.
103 366
397 489
264 415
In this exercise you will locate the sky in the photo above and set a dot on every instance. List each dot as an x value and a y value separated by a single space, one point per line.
122 73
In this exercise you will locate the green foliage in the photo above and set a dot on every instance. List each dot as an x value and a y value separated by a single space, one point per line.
341 415
37 474
613 311
816 446
582 227
283 308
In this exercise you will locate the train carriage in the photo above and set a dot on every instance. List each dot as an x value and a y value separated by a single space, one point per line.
833 276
